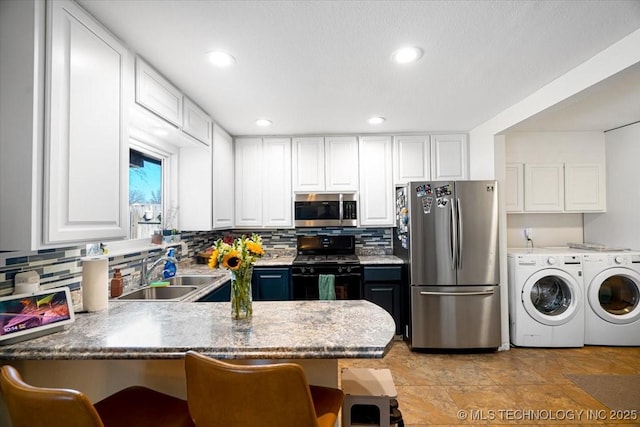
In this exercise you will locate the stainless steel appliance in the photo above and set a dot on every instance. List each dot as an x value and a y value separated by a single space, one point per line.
447 231
325 210
333 255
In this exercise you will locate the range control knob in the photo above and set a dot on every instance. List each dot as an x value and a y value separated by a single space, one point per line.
618 259
551 260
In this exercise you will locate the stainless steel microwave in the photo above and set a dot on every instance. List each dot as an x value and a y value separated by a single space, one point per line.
325 210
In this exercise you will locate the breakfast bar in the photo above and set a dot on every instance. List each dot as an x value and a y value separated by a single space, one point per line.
145 342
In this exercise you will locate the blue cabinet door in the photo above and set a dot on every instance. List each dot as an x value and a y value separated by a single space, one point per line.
221 294
271 284
383 286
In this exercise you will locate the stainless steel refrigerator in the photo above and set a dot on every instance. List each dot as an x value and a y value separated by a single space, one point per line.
447 231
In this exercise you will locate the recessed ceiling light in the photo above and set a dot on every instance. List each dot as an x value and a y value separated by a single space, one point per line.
406 55
263 122
221 59
376 120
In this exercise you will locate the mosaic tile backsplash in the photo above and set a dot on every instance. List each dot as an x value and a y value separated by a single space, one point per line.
63 267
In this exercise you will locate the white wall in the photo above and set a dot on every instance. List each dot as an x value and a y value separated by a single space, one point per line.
620 225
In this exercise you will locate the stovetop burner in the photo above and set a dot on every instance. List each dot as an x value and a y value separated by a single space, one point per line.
326 250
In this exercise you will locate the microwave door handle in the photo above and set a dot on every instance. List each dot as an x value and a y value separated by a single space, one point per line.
341 210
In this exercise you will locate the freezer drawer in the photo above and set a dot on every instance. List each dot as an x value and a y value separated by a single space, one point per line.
455 317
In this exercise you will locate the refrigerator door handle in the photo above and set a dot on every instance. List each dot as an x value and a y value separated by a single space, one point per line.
456 294
453 235
460 233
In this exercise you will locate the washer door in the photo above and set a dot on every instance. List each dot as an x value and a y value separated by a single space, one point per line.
614 295
551 296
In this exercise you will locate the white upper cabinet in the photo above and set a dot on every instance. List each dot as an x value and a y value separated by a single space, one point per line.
585 188
325 164
223 191
376 206
412 158
514 193
196 122
449 157
263 182
86 139
308 164
195 190
248 182
341 163
276 183
157 94
544 187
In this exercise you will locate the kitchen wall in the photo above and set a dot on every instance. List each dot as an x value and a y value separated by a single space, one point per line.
63 267
551 147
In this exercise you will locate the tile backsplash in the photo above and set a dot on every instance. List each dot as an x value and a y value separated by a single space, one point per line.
63 266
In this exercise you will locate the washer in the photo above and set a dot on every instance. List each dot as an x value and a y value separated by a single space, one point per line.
546 298
612 308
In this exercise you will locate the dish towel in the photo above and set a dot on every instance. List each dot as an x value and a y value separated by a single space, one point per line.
326 286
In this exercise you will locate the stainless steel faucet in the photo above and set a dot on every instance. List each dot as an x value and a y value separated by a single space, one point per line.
146 272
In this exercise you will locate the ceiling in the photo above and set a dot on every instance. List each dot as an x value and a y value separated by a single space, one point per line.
323 67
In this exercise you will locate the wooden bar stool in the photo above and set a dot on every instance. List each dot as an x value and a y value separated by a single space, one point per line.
225 394
135 406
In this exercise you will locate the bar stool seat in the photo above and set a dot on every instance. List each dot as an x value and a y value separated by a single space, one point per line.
137 406
370 388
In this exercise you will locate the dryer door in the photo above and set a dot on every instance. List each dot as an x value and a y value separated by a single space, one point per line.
552 297
614 295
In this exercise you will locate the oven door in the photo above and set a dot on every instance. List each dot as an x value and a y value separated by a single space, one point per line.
306 283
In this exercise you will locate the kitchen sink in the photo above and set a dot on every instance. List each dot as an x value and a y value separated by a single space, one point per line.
159 293
192 280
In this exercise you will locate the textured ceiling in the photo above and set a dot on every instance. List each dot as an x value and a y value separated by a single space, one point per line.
324 66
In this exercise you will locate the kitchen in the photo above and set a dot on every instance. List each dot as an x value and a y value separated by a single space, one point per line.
481 161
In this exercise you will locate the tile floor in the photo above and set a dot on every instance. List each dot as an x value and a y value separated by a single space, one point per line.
519 387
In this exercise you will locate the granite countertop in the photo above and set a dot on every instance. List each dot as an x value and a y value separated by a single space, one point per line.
166 330
379 259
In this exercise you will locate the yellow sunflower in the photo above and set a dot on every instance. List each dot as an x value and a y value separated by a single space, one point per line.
232 260
213 259
255 248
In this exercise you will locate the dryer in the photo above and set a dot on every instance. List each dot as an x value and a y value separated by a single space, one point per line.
612 308
546 298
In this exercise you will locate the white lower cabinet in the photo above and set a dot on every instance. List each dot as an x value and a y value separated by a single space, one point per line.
263 182
376 205
86 139
223 189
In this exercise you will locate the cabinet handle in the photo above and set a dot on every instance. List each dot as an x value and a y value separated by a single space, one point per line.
455 294
381 289
270 277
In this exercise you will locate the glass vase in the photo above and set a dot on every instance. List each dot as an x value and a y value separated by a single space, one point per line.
241 301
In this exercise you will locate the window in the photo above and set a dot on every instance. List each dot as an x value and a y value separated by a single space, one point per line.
145 194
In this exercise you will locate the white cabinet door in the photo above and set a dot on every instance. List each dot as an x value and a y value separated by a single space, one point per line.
248 182
155 93
514 193
86 141
341 163
584 188
308 164
196 122
544 187
223 189
449 157
276 183
195 189
412 158
376 204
